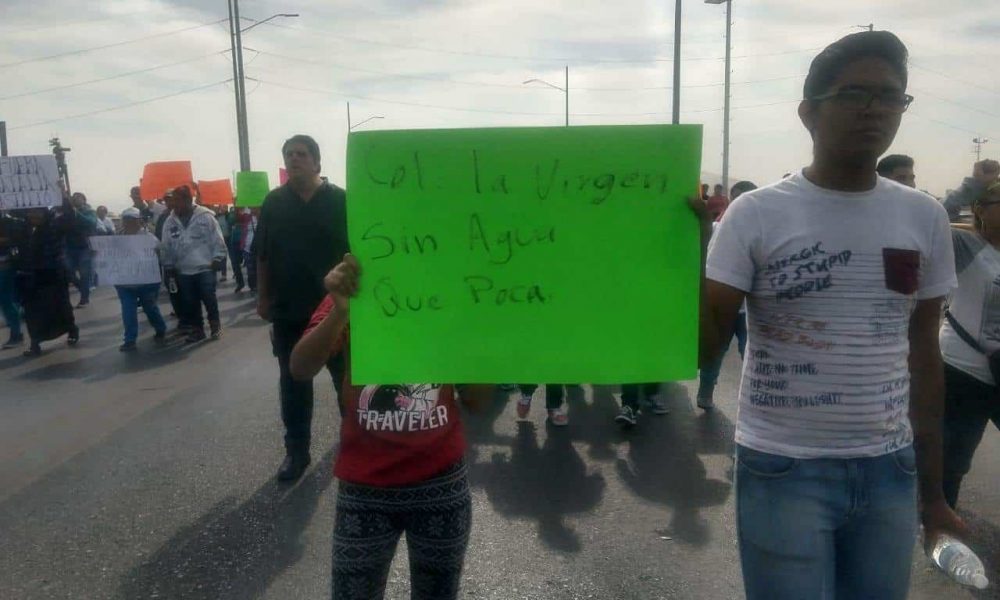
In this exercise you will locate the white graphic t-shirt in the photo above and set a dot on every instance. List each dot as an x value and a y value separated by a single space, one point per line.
975 305
832 280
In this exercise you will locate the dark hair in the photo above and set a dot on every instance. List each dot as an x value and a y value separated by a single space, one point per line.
892 162
828 65
741 187
306 141
981 197
182 192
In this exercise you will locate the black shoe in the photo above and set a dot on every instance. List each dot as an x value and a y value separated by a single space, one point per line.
196 335
627 417
34 350
127 347
215 327
160 337
293 467
238 289
74 336
83 303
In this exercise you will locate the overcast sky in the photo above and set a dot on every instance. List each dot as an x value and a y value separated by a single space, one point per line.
460 63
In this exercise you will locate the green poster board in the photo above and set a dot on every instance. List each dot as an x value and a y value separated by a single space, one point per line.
528 255
251 188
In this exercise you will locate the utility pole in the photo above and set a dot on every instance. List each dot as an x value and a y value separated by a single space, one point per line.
979 142
677 62
241 84
237 79
348 116
726 106
3 138
567 95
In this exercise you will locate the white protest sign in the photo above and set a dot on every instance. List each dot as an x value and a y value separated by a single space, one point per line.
126 259
29 182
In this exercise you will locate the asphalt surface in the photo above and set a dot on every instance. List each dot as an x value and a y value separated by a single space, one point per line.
151 476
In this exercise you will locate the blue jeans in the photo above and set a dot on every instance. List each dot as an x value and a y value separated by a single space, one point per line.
79 263
8 303
709 375
196 290
133 296
826 529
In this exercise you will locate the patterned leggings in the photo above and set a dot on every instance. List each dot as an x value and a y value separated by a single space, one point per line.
436 516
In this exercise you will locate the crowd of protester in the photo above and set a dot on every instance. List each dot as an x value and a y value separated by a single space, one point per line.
860 406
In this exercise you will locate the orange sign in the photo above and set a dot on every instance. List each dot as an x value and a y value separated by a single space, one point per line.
158 177
215 192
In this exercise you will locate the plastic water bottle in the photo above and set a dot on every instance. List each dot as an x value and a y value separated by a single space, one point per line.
959 562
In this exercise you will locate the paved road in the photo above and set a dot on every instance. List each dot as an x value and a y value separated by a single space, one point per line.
150 476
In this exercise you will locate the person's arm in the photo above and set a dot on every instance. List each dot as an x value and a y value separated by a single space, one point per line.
719 303
984 174
260 242
219 251
926 416
313 351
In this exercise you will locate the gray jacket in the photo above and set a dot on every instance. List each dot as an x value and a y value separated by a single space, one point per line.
965 195
193 248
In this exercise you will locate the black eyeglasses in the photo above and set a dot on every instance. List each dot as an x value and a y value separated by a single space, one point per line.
858 99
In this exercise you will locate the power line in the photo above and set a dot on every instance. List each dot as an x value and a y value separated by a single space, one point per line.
496 85
965 106
962 81
123 106
104 46
501 112
944 123
339 37
111 77
68 23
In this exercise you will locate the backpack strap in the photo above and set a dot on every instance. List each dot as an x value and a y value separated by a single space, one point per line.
962 333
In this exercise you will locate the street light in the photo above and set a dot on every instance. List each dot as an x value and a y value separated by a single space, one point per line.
236 40
564 90
725 116
351 126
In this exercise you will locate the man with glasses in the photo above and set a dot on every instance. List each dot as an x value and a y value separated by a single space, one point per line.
844 274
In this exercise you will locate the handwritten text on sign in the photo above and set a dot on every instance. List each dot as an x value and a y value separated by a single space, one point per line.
29 182
525 255
126 259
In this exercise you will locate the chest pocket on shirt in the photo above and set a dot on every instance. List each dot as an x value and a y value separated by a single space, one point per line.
902 270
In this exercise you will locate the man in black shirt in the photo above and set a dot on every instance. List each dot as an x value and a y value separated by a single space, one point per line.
301 235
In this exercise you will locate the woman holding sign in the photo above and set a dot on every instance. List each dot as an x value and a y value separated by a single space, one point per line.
400 465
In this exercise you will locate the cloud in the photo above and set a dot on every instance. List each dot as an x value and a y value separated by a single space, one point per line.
462 64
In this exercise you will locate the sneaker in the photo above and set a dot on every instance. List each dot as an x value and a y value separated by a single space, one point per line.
238 289
658 407
34 350
160 337
127 347
216 329
13 342
558 417
224 278
83 303
626 417
73 337
523 406
196 335
706 402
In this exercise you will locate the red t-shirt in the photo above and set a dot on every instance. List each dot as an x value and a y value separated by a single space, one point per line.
394 435
717 206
